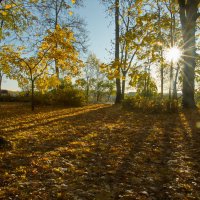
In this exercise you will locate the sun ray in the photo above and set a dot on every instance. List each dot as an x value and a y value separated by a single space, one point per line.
173 54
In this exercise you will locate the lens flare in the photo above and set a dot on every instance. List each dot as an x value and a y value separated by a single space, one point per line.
173 54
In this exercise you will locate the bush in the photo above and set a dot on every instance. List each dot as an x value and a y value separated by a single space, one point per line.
152 105
65 97
19 98
7 98
69 97
197 98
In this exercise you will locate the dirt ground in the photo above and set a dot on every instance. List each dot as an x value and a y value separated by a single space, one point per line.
98 152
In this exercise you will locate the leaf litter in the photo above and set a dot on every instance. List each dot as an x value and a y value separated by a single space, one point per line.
99 152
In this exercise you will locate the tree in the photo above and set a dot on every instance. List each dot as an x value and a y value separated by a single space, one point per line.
188 17
94 80
117 66
15 17
30 69
59 12
1 77
129 40
91 74
143 82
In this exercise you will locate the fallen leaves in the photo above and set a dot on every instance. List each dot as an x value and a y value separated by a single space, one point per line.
98 152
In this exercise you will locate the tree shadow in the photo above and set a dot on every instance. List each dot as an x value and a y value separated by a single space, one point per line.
27 144
108 153
49 117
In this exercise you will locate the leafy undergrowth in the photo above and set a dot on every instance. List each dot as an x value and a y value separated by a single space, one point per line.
99 152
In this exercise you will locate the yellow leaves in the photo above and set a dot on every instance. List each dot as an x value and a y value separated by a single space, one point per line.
68 79
4 13
44 45
59 43
58 27
8 6
116 73
33 1
79 82
70 13
54 81
73 1
56 46
79 143
42 84
20 48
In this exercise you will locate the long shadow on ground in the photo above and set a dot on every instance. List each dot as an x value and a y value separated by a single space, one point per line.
104 153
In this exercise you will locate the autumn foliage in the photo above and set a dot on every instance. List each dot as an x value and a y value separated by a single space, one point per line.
98 152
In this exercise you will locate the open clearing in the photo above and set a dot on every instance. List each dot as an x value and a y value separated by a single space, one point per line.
99 152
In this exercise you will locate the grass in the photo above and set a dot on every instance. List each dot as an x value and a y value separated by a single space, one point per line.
98 152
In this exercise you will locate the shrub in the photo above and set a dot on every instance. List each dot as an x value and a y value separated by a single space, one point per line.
197 98
19 98
152 105
67 96
63 96
7 98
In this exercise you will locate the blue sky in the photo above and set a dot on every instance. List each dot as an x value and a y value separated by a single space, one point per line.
101 32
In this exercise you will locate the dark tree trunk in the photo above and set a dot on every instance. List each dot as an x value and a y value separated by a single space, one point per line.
170 80
188 16
161 50
1 77
57 69
32 95
148 89
87 91
118 82
98 96
145 82
123 88
55 24
172 32
162 75
175 82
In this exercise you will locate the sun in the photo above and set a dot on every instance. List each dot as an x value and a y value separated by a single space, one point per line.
173 54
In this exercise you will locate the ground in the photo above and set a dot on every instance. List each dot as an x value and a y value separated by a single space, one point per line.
99 152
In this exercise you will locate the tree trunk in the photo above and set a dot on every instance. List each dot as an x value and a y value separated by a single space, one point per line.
123 88
161 50
175 82
32 95
56 67
1 77
55 24
170 80
118 82
189 73
87 91
162 74
98 96
172 24
148 90
188 17
145 82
